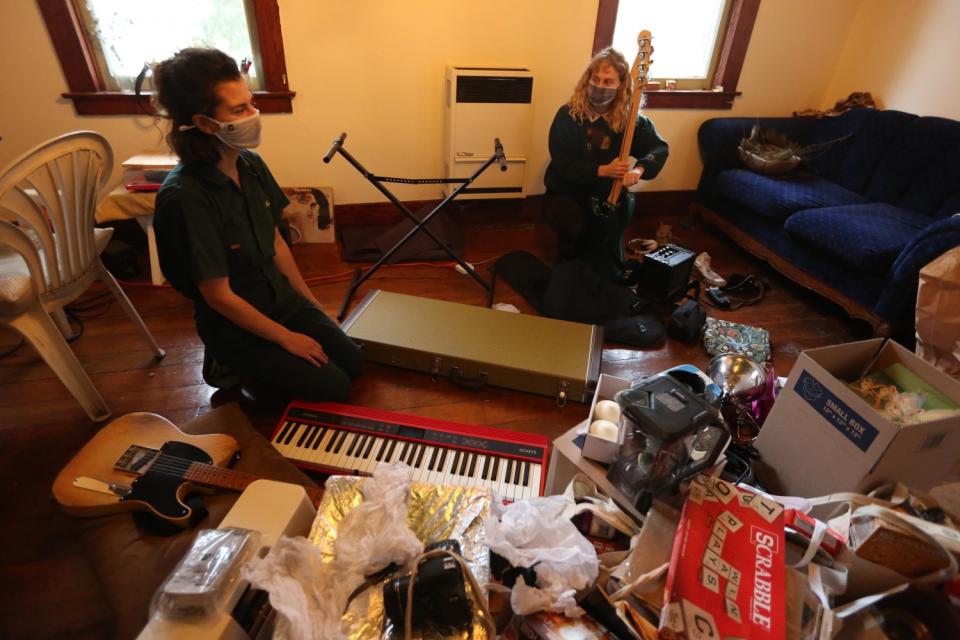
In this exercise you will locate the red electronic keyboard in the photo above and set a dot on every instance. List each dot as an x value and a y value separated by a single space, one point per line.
339 438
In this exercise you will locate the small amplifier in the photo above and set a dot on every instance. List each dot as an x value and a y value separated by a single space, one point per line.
665 273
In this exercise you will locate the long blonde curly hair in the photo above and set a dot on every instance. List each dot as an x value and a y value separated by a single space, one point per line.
619 111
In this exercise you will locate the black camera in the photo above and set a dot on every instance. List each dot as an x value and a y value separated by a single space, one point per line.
440 598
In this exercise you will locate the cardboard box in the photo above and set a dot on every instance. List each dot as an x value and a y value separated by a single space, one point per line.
600 449
823 438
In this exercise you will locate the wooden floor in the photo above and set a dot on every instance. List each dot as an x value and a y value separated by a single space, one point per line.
45 583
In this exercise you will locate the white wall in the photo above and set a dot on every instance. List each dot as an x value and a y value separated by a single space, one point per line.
903 53
374 69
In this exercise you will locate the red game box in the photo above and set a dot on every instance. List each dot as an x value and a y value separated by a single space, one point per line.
726 577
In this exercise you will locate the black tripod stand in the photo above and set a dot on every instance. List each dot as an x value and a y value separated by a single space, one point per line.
419 225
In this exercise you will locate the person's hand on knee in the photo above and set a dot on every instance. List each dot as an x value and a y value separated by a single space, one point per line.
305 347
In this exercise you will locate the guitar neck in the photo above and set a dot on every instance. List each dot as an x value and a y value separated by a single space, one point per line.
638 76
213 476
617 188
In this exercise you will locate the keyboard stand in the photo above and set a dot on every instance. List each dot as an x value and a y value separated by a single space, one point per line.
419 224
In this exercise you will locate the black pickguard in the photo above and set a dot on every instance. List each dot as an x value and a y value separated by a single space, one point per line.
159 489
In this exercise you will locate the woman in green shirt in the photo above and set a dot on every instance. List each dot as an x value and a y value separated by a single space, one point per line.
585 140
219 245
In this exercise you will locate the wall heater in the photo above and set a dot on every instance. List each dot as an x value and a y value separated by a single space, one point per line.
480 104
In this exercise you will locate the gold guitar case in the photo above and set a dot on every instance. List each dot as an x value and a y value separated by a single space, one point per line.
477 346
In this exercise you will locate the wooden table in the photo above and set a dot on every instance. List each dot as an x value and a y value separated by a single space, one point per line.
121 204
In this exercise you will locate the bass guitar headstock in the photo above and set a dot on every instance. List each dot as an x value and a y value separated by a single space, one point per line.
641 64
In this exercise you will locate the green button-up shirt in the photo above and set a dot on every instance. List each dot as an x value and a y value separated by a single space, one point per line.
207 228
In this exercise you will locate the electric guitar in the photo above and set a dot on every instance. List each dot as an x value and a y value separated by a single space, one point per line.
143 462
638 75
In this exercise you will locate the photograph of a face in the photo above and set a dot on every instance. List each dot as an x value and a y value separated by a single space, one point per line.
309 214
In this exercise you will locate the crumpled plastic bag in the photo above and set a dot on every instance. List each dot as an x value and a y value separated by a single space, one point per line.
535 532
310 594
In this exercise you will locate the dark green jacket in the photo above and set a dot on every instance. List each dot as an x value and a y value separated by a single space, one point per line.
577 149
208 228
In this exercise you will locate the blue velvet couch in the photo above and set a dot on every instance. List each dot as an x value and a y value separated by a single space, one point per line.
859 221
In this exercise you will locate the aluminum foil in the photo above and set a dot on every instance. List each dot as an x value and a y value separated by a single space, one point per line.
434 513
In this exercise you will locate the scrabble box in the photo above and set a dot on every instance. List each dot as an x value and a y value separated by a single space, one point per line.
726 576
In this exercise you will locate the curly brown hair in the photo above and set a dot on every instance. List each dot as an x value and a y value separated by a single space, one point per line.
186 85
619 111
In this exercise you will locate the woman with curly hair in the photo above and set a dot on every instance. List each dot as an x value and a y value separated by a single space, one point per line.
585 140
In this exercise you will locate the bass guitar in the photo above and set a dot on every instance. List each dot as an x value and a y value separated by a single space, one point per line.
143 462
638 75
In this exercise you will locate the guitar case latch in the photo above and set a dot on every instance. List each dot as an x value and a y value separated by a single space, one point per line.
562 393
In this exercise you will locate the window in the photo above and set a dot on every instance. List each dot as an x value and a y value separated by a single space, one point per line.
103 45
701 44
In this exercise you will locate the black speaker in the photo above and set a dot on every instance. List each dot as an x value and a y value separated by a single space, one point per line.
664 273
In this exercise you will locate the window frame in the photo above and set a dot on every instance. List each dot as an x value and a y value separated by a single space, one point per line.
733 51
86 86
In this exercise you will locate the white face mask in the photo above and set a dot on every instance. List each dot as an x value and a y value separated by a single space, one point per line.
238 134
241 134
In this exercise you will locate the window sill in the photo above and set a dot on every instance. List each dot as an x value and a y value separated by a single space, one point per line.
695 99
106 103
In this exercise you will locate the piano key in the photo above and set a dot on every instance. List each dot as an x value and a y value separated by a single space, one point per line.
310 438
412 453
419 471
369 462
292 432
303 434
445 475
283 432
424 465
433 458
454 464
340 450
420 455
353 445
329 446
316 441
436 477
381 452
391 451
322 454
473 464
502 485
395 455
517 472
477 474
534 479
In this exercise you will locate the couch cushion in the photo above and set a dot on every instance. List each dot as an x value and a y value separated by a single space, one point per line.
780 196
131 562
854 143
919 169
866 236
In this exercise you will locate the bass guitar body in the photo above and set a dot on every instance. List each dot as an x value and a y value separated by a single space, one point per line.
141 462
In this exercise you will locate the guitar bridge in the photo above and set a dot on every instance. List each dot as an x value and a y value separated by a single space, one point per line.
136 459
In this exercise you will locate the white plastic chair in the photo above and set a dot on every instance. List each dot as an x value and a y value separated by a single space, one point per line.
50 251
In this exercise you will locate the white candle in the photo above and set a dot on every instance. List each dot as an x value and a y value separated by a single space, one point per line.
607 410
605 429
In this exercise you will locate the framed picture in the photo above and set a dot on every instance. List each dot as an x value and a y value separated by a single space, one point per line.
309 214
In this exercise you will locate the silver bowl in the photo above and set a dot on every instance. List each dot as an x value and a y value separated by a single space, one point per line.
737 376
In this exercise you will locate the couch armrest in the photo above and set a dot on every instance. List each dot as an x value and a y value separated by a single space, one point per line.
899 299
